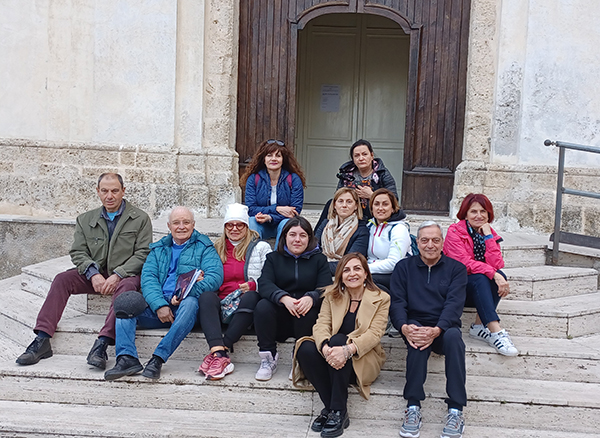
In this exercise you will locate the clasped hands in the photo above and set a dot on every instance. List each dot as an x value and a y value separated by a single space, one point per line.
335 356
420 337
297 307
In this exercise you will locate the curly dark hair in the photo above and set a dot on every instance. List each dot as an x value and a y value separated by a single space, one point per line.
267 147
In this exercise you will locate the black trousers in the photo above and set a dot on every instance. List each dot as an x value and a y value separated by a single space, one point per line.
209 315
451 345
331 384
274 323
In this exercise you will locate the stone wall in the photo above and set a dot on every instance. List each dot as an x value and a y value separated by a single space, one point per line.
531 77
28 241
146 88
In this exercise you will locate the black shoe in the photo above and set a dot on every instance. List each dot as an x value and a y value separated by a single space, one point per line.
152 370
335 425
126 366
97 356
317 425
40 348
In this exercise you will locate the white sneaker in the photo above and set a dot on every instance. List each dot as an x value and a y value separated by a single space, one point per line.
503 344
268 365
480 332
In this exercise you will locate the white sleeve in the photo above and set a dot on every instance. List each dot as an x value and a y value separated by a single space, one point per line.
257 260
399 245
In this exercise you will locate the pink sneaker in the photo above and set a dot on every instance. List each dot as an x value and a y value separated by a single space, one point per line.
205 365
219 368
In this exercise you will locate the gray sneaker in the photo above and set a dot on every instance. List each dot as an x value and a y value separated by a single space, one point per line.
411 426
455 424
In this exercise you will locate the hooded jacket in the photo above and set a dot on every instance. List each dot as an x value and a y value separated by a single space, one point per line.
389 243
284 274
258 194
382 178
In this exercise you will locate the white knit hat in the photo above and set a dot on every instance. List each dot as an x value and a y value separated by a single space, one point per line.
236 212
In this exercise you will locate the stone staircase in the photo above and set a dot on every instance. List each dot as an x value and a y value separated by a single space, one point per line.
552 389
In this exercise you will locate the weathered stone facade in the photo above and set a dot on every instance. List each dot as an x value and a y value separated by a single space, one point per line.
148 89
144 88
531 78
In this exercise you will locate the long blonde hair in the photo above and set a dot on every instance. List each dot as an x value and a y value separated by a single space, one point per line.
337 289
240 250
332 213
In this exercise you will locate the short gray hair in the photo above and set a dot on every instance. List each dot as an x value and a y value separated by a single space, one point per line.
179 207
427 224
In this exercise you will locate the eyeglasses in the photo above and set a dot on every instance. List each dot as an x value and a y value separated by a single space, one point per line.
238 226
277 142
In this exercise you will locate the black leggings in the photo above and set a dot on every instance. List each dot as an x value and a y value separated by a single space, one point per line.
210 319
331 384
274 323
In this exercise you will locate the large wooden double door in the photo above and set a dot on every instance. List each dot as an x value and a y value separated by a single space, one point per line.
273 100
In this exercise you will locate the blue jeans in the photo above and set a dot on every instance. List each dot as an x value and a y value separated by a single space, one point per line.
482 293
185 318
268 229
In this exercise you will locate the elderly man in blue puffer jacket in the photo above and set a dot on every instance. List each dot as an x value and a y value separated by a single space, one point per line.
184 250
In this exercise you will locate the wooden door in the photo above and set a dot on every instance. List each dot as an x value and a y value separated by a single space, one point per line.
352 80
434 120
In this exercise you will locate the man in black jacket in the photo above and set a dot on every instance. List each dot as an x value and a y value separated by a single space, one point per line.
428 295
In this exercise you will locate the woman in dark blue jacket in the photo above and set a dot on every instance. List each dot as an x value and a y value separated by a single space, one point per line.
274 188
343 231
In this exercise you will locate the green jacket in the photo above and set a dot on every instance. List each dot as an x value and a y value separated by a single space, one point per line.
125 254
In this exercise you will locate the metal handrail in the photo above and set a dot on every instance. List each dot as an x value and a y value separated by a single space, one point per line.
560 236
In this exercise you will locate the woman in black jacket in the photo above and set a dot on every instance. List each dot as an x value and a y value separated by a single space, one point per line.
289 286
343 231
365 174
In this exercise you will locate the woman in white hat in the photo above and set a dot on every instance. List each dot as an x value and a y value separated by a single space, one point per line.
243 255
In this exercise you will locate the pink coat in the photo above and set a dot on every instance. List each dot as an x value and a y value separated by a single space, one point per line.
459 245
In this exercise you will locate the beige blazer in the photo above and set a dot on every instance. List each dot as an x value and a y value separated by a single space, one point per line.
371 321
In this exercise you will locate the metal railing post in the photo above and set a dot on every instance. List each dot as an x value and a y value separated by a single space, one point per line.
558 208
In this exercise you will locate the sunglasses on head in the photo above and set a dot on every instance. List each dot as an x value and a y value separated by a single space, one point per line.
277 142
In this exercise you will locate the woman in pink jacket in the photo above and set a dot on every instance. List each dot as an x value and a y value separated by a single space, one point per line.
473 242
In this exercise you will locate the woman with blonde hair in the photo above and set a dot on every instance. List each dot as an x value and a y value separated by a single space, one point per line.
345 346
343 231
243 255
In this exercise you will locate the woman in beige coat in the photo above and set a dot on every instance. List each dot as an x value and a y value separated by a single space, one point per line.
346 343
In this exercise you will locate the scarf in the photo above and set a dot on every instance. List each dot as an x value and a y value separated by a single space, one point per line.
478 243
336 236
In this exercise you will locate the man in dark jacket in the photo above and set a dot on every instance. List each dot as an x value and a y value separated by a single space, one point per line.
428 295
179 255
109 248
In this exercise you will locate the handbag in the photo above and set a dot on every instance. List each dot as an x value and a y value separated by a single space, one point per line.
230 304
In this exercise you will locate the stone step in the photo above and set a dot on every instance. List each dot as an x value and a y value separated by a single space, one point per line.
564 317
542 358
558 406
31 420
545 282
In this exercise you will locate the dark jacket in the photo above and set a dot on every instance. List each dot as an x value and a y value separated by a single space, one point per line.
382 177
434 296
358 242
199 253
127 250
258 194
284 274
